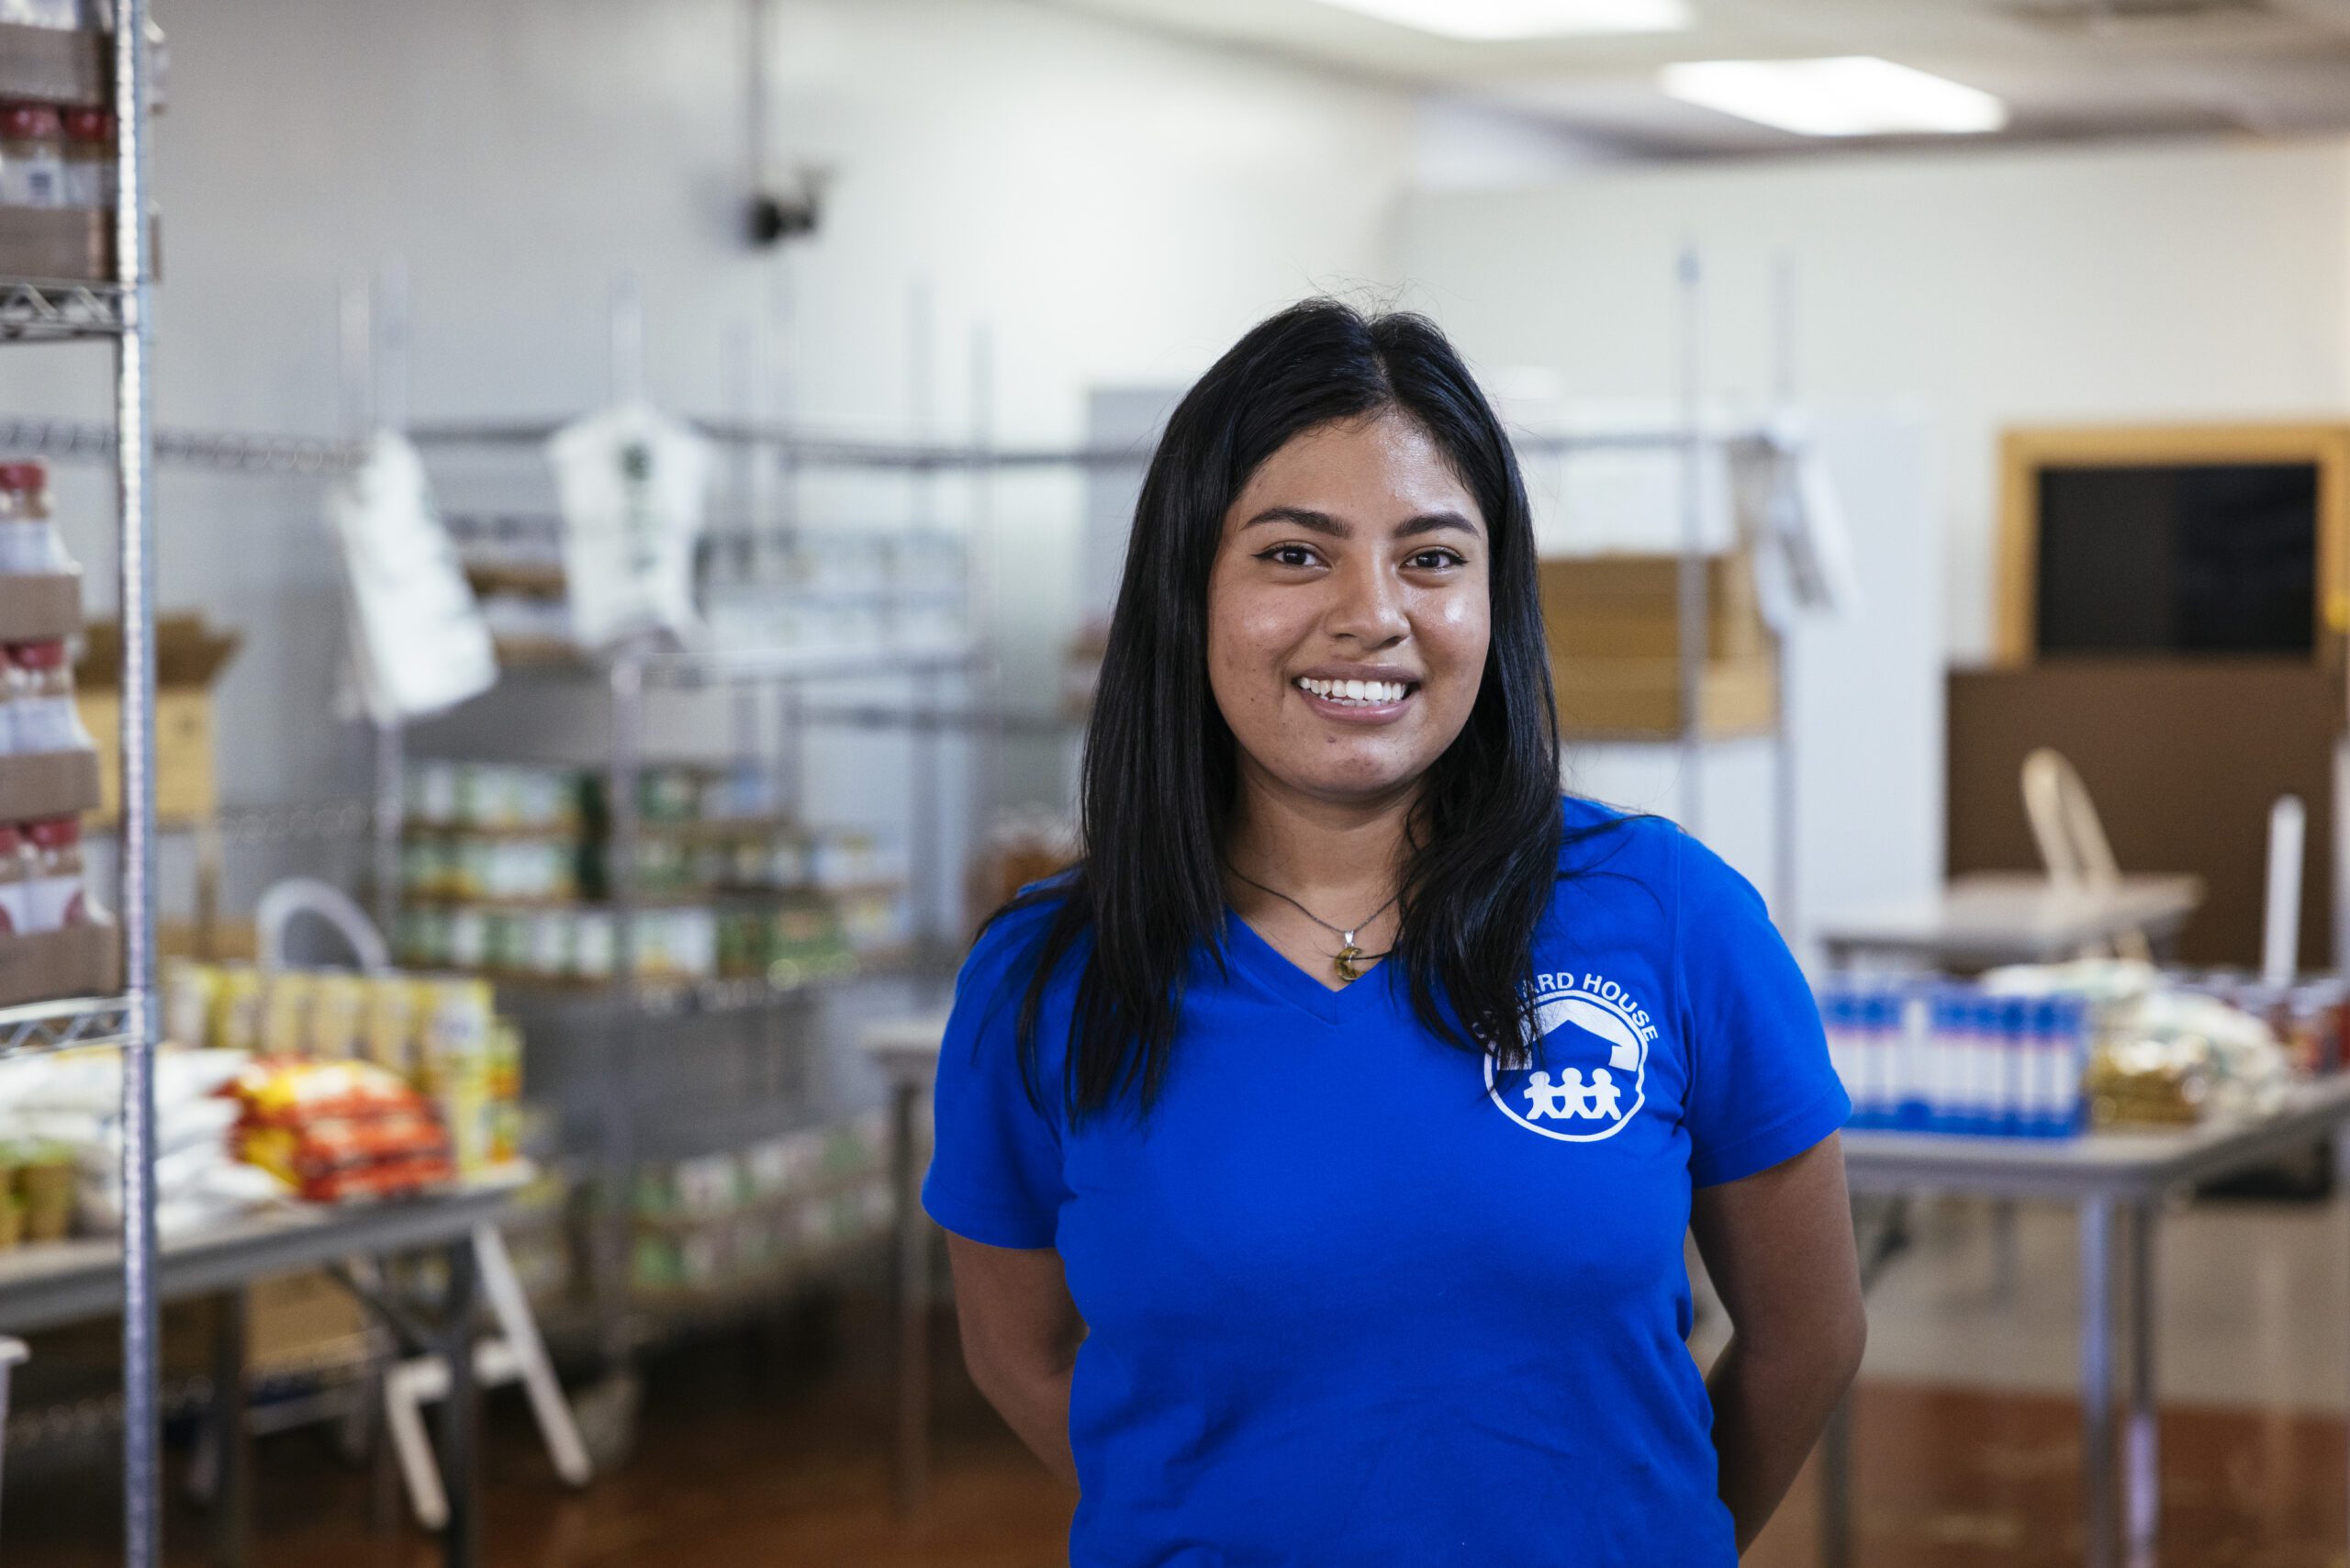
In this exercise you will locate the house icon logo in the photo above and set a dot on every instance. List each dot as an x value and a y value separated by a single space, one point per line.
1594 1073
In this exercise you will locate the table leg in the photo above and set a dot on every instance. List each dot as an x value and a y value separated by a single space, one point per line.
231 1456
2142 1472
1835 1486
913 1300
2096 1382
2342 1132
460 1538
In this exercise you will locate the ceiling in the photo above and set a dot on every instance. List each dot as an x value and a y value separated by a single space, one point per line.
2067 68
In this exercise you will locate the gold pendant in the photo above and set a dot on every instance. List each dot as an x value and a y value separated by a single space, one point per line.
1344 962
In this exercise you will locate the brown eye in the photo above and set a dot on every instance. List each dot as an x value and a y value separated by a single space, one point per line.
1435 560
1288 555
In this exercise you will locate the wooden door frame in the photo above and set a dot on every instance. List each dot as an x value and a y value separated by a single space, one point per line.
2024 450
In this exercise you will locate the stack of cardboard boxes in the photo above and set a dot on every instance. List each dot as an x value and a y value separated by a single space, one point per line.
1614 622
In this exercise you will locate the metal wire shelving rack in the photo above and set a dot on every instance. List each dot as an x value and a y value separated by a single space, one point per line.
120 312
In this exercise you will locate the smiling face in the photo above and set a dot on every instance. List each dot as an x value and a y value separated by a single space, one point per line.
1349 611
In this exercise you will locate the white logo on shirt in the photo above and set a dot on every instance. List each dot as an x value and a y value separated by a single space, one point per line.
1593 1078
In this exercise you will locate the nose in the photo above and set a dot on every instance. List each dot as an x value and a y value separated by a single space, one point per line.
1369 608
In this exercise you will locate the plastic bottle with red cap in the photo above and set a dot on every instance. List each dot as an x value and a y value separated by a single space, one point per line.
32 156
29 541
55 897
89 158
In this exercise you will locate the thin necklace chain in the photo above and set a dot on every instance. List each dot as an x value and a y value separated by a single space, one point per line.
1344 934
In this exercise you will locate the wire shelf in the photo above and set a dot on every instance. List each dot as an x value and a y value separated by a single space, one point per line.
224 451
812 662
38 311
54 1025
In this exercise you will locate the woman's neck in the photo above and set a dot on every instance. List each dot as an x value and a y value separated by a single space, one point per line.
1346 852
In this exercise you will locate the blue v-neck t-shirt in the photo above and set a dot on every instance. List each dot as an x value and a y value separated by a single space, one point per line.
1352 1298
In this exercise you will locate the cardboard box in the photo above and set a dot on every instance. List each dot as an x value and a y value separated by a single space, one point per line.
40 607
48 784
80 960
66 244
188 656
55 65
1640 698
1614 624
1628 606
299 1323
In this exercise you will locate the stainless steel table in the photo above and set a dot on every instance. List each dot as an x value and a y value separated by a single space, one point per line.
45 1285
2103 1175
2008 917
906 1050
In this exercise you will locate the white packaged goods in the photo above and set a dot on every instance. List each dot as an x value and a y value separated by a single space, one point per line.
32 157
420 644
29 542
54 894
40 712
64 14
633 486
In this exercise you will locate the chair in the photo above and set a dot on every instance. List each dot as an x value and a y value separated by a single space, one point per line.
2072 840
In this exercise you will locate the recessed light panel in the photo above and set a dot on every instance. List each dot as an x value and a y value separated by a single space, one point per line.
1492 19
1849 95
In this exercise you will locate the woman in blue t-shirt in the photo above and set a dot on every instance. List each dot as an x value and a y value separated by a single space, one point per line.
1318 1151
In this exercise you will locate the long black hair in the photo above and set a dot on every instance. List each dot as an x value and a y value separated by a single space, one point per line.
1160 768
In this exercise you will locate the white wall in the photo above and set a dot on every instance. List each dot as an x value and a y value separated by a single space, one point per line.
1986 287
1115 207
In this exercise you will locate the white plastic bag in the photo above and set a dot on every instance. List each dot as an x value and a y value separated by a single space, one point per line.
419 643
632 485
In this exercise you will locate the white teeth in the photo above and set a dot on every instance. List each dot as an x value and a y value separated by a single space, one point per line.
1367 692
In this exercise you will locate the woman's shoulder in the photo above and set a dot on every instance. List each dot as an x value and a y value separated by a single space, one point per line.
1594 834
1676 866
1011 941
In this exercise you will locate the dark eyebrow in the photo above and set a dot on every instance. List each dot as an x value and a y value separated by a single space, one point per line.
1317 521
1323 522
1435 522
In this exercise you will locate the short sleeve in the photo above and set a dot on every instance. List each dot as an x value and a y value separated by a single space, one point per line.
1762 1089
995 1165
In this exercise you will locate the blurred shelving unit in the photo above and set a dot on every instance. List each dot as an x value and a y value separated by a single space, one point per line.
75 66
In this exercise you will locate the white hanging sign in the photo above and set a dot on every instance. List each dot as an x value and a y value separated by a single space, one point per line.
633 486
417 637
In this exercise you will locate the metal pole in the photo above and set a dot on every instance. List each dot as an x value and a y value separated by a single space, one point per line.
2142 1472
920 369
374 353
1784 753
619 1107
135 458
2097 1379
913 1292
389 820
1691 576
391 344
2341 1133
985 765
627 339
356 351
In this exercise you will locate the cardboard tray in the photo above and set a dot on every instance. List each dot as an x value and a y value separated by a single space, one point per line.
81 960
55 65
52 784
187 653
1641 698
66 244
36 608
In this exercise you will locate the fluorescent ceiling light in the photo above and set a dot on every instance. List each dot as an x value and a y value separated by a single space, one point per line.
1525 19
1851 96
